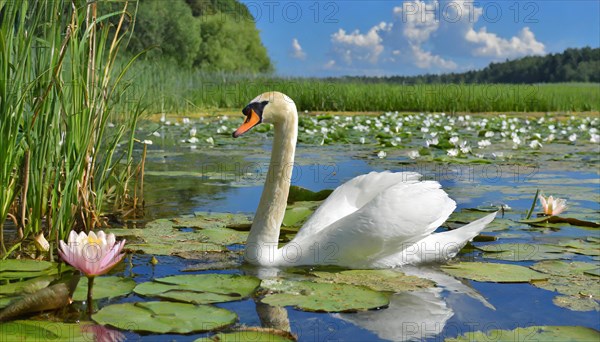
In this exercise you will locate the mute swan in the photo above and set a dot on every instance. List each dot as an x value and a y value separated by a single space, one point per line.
377 220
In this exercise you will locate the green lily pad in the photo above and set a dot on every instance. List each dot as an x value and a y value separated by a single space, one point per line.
558 219
200 288
568 278
24 265
378 280
164 317
262 334
563 268
11 269
104 287
523 251
298 194
534 333
33 330
579 246
576 303
26 286
294 216
492 272
323 297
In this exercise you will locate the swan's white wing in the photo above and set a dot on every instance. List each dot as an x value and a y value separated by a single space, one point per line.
351 196
438 247
392 220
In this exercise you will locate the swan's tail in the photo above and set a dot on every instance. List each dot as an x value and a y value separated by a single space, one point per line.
438 247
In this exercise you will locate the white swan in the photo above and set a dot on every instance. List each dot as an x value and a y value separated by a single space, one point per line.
376 220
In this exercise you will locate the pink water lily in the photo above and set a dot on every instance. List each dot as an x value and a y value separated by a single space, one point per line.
93 254
553 206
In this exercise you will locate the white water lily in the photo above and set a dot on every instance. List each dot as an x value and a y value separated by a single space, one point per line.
553 206
594 138
381 154
433 141
413 154
453 152
535 144
210 140
483 143
156 134
193 140
489 134
454 140
573 137
147 142
193 132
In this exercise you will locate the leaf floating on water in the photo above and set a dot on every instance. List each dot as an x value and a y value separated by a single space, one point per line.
104 287
200 288
534 333
164 317
557 219
570 279
33 330
492 272
12 269
295 216
378 280
576 303
251 334
523 251
298 194
323 297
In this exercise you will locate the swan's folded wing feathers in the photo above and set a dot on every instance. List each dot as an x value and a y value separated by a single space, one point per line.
352 195
396 217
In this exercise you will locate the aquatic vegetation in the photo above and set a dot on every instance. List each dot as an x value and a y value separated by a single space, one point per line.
92 254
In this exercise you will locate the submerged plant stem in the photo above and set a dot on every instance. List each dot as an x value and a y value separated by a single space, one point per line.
90 305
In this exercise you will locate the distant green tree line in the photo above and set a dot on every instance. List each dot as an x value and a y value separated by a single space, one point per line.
572 65
213 35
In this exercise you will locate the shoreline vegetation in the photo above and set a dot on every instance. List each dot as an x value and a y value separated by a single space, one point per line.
61 168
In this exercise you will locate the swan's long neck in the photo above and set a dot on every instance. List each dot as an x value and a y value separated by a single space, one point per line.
264 234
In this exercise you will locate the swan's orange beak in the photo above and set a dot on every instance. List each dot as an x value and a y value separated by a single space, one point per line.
252 119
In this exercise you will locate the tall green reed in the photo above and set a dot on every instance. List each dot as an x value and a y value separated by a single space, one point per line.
58 90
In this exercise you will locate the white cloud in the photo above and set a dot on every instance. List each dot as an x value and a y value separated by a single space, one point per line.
354 46
297 51
330 64
430 36
490 45
427 60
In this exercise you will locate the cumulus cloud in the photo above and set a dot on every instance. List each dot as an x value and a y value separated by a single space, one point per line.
429 35
297 51
489 44
359 47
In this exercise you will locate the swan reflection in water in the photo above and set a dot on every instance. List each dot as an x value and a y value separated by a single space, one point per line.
415 315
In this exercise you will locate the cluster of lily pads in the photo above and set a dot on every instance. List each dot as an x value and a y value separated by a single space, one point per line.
421 136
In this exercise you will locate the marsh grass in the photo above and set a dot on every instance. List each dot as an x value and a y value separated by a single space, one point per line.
176 90
59 160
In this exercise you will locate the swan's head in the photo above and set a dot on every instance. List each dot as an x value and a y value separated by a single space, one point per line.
270 107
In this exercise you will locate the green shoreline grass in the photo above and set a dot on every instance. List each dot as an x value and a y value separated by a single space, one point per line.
170 89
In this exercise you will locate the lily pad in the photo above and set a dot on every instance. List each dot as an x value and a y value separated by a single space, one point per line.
104 287
576 303
294 216
523 251
301 194
32 330
378 280
200 288
26 286
262 334
492 272
11 269
164 317
584 247
568 278
558 219
323 297
534 333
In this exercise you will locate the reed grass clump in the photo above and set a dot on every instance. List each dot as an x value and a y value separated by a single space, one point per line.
59 159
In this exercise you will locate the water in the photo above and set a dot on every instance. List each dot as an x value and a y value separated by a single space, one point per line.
229 179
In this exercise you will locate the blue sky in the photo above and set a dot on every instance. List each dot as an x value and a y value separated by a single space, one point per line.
377 38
